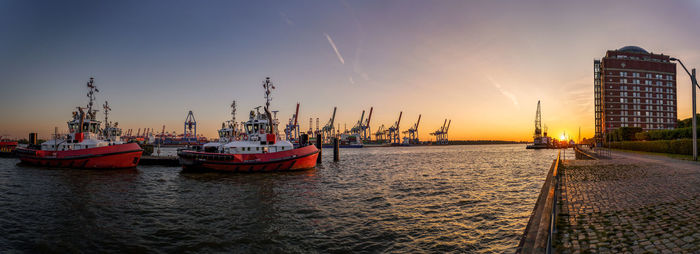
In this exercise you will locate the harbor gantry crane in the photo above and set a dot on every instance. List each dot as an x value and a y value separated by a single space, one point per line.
412 132
366 131
393 131
190 128
380 135
292 130
441 134
357 128
328 130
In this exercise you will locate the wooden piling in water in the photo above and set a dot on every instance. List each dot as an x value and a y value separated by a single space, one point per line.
319 145
336 149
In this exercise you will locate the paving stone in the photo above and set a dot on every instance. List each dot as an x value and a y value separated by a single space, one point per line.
630 205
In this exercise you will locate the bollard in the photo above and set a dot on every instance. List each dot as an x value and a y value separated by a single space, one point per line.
336 149
319 145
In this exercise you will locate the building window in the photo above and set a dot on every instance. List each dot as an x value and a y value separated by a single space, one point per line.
648 75
623 74
623 80
635 74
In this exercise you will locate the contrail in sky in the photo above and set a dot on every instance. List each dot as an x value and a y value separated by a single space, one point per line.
337 53
505 92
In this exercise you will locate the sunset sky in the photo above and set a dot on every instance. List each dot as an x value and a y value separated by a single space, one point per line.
483 64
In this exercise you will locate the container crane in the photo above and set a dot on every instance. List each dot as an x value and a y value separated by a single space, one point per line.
393 131
328 129
357 128
441 133
380 135
412 132
190 128
366 131
292 130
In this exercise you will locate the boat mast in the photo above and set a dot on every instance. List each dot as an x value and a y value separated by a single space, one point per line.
91 96
233 118
267 84
107 109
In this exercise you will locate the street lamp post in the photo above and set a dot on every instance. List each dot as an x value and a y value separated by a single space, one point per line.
694 83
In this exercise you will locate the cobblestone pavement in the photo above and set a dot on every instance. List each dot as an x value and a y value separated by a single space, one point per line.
630 204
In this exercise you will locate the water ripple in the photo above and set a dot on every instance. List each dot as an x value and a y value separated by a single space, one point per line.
402 199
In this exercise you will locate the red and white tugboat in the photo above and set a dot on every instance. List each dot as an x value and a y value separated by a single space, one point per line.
87 146
259 149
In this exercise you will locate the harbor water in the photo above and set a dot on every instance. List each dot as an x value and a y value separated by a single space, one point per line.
399 199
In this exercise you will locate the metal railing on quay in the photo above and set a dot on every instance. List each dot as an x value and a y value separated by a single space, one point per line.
553 218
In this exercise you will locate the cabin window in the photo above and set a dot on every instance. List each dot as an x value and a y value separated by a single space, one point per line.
248 128
257 149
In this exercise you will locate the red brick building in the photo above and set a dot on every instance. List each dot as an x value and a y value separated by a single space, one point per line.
634 88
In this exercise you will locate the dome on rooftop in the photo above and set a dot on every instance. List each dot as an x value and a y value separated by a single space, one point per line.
633 49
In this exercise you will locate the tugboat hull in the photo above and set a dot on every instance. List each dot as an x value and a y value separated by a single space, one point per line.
107 157
292 160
